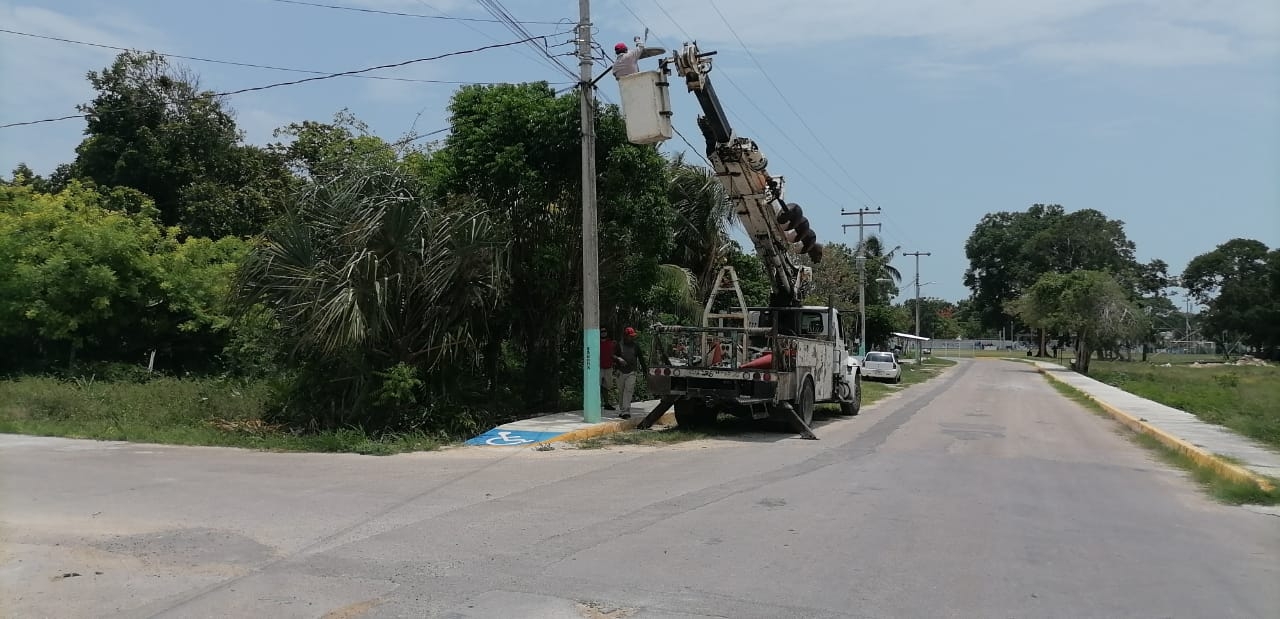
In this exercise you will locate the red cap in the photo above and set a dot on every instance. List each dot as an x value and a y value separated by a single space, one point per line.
629 332
620 48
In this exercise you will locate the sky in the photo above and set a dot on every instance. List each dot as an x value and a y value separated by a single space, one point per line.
1164 114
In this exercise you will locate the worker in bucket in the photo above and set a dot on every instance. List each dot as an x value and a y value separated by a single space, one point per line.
628 61
628 357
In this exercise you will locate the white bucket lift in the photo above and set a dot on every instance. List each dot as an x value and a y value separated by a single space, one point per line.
646 107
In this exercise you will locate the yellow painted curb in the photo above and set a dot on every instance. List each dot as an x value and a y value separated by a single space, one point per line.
1201 457
601 429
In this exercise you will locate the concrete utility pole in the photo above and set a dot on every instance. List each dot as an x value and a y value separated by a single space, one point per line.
862 272
590 240
917 254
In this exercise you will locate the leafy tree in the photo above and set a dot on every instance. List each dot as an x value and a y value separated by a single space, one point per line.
882 322
751 275
836 279
24 176
937 317
1238 283
152 128
321 150
1009 251
104 281
1083 239
514 148
1090 305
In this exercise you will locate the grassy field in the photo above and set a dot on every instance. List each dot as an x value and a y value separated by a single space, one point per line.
1226 490
729 425
1243 398
172 411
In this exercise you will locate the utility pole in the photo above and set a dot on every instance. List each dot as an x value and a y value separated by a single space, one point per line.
590 240
862 272
917 254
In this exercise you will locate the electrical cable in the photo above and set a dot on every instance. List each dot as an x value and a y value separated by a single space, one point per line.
240 64
306 79
465 21
500 12
415 15
785 100
799 172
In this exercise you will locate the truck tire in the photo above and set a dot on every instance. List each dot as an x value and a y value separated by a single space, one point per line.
851 407
804 404
693 414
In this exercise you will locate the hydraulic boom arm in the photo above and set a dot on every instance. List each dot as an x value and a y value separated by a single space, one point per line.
777 229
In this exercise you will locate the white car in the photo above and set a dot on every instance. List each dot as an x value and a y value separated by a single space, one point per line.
882 366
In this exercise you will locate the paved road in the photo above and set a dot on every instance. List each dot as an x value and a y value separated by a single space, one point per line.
980 494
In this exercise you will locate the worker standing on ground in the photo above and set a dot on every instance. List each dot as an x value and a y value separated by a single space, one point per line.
627 360
628 61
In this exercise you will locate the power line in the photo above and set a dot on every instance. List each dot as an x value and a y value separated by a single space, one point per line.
414 138
414 15
465 21
542 56
504 16
799 117
750 101
306 79
784 97
787 101
688 37
239 64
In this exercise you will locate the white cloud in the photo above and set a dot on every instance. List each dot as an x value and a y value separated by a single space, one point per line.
47 78
1098 32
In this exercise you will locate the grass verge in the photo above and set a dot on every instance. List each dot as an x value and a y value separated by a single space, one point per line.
203 411
1224 489
1242 398
728 425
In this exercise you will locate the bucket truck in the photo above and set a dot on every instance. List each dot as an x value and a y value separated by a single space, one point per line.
777 361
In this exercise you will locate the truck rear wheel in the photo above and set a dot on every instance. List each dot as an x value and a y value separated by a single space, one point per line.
804 404
692 414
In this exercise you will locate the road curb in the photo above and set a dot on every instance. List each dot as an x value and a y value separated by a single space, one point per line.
608 427
1201 457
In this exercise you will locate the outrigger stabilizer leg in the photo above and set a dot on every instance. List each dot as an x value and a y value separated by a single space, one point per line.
657 413
796 422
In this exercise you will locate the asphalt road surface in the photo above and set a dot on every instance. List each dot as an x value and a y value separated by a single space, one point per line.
980 494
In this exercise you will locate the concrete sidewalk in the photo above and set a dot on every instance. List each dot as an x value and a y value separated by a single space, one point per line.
1202 441
568 426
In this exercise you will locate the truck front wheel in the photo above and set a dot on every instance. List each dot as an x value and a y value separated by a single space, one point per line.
692 414
850 407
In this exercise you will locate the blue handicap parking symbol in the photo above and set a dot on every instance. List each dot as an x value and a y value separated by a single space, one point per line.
499 437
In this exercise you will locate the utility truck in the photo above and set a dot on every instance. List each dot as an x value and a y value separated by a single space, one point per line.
778 361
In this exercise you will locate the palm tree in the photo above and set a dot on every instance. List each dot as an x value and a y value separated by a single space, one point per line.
704 215
363 275
874 251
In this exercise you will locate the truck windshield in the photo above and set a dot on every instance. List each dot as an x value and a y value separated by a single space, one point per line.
792 322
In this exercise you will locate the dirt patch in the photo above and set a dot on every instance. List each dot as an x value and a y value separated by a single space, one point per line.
190 546
597 610
352 611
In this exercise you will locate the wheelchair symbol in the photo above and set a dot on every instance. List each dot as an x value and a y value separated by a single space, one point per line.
505 438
